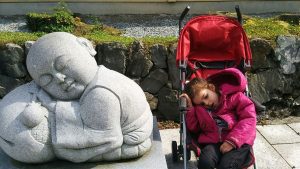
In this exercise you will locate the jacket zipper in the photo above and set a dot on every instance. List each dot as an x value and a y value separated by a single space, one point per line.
220 133
219 128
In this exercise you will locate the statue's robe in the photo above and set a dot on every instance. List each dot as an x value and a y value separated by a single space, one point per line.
112 111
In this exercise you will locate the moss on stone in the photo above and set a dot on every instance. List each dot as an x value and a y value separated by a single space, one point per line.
17 37
269 28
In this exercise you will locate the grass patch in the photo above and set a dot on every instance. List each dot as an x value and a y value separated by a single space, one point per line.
269 28
102 37
166 41
18 37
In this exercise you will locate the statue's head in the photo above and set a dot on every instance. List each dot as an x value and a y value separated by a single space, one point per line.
62 64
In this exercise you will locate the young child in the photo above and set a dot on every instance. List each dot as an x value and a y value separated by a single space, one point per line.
223 120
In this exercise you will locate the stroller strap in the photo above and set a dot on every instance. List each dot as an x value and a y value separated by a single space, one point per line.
213 65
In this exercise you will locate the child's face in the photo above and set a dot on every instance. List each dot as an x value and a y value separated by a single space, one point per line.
207 98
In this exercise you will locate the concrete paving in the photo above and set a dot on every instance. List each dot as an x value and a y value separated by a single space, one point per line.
275 147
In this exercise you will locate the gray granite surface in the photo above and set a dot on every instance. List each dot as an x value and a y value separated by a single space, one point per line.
73 109
154 159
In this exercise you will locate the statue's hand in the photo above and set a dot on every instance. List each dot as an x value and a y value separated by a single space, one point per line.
46 100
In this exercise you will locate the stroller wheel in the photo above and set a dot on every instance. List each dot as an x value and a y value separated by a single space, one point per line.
174 151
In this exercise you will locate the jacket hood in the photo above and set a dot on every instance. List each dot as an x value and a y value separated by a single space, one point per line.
229 81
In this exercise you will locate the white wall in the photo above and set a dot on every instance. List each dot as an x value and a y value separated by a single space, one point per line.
19 7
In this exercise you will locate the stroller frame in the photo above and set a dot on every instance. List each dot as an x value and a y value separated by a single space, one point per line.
181 151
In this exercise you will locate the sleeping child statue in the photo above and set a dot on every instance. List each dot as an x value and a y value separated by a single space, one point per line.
73 109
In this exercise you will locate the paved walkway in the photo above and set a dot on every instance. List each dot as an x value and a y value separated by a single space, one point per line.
276 147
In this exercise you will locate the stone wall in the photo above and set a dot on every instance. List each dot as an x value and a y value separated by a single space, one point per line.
273 81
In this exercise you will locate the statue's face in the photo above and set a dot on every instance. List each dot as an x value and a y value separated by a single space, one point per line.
61 66
25 133
67 76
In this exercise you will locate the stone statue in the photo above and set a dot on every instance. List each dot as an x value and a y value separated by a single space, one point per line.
73 109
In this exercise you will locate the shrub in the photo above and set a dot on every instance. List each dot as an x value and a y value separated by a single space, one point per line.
60 21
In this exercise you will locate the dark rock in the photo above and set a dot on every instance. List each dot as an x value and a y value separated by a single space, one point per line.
280 113
152 100
261 54
11 54
287 53
297 101
296 111
296 76
112 56
172 68
7 84
290 18
159 56
27 46
168 103
296 107
16 70
139 63
12 61
285 41
280 107
136 46
136 80
154 81
269 84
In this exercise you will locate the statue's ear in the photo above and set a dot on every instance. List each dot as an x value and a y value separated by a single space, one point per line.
87 45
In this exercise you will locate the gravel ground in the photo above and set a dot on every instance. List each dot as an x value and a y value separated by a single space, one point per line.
143 25
13 24
132 25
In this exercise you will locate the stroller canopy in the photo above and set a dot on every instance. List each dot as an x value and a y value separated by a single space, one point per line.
213 38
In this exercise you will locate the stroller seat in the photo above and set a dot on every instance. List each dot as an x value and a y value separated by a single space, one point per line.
215 41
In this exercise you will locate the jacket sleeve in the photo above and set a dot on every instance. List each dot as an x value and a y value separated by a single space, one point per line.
244 131
192 121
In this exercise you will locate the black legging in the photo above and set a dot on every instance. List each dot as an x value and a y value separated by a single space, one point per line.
211 157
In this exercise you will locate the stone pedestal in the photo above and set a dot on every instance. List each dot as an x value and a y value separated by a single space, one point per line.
155 159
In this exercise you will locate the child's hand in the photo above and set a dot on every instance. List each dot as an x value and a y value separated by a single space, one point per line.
188 100
226 147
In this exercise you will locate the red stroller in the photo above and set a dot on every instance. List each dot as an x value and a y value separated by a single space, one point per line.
206 45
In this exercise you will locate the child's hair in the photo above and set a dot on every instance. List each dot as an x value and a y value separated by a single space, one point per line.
198 84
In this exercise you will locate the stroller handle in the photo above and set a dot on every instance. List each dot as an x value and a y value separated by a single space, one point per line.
239 14
182 103
183 14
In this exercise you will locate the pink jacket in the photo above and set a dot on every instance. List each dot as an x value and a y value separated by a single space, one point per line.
235 108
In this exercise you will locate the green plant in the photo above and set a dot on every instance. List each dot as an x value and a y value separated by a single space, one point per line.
61 20
62 7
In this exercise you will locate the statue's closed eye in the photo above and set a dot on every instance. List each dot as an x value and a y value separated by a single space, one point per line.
61 62
59 66
45 79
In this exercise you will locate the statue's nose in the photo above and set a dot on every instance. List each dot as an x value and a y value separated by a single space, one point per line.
60 77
